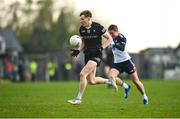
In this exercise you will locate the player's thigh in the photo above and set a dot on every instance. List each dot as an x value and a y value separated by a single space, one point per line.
88 68
113 73
134 76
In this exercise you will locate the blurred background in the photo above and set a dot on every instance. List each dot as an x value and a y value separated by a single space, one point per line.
34 37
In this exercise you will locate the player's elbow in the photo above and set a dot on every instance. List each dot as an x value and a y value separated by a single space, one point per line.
120 47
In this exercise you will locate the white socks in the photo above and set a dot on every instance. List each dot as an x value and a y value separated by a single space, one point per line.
145 96
79 96
125 85
108 81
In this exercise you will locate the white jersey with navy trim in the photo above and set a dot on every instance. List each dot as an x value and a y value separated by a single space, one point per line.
119 56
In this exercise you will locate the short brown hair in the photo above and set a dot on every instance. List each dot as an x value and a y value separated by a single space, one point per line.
113 27
86 13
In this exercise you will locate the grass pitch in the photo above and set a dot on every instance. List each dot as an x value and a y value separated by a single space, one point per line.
50 100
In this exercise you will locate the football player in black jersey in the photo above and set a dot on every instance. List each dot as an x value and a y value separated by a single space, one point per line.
91 33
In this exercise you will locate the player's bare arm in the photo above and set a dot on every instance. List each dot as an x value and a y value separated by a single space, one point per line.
108 40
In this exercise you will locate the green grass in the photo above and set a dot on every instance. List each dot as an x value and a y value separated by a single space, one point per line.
50 100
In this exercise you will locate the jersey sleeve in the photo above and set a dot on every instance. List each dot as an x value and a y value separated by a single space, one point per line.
123 39
121 43
102 30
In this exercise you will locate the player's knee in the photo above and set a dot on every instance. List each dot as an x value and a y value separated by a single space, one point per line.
82 74
91 82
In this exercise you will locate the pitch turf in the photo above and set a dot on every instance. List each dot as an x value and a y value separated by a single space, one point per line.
50 100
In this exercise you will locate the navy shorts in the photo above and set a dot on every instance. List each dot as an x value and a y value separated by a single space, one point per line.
126 66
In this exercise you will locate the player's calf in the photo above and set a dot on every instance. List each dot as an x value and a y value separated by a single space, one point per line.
140 87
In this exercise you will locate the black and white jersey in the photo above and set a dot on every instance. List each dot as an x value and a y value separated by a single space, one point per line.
92 36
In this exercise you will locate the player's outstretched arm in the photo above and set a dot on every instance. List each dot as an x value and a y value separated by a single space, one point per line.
108 41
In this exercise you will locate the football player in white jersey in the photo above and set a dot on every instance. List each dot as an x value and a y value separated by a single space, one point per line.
122 63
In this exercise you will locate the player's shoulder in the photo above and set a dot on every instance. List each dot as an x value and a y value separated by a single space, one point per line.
96 24
122 37
81 27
